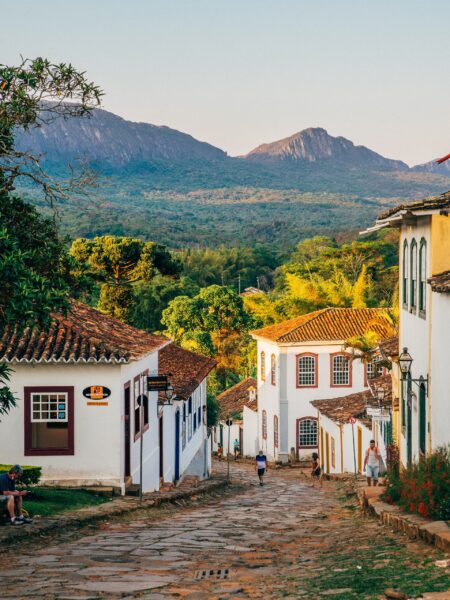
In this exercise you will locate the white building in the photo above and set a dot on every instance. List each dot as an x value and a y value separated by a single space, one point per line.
342 445
77 386
424 250
301 360
238 403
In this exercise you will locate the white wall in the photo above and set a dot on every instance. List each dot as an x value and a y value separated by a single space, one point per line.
251 441
290 403
440 371
97 429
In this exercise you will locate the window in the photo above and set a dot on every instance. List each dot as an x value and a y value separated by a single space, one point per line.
49 427
422 277
183 427
340 370
307 432
273 364
307 370
264 425
137 408
333 453
199 415
275 431
372 370
263 366
413 266
189 418
405 275
195 421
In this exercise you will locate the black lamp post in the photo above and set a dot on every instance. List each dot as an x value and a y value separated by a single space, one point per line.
405 360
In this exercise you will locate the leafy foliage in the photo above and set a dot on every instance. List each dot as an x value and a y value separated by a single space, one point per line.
31 475
7 400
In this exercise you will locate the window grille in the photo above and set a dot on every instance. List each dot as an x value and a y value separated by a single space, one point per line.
341 371
307 433
306 371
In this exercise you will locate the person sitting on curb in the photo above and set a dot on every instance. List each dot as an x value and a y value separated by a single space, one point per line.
8 488
372 464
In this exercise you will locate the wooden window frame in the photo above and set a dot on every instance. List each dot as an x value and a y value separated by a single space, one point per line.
273 369
333 451
422 278
297 441
350 370
146 426
275 431
405 274
316 370
70 450
413 288
366 377
264 425
263 365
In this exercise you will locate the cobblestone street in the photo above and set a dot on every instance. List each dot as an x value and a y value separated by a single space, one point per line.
283 540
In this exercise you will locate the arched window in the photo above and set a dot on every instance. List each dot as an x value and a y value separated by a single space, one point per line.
264 425
275 431
273 363
422 277
307 432
405 275
341 370
263 366
371 371
413 269
307 375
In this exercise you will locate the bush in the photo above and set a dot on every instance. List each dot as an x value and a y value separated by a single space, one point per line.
423 487
31 475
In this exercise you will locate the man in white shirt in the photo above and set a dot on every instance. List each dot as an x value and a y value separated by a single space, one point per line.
372 464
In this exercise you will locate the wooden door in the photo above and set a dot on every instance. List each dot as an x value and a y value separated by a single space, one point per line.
321 450
422 420
360 450
161 448
327 444
127 425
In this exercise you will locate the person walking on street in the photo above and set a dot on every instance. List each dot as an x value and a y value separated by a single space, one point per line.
236 448
372 464
219 451
316 471
261 466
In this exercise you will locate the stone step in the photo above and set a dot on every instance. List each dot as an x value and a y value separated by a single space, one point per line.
132 490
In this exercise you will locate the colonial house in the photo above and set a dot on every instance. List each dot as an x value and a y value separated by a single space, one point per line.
83 411
424 324
238 403
346 426
301 360
182 425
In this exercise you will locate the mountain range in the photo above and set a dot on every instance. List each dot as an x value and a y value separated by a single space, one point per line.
163 184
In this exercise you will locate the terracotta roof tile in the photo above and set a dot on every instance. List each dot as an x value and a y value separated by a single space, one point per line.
440 283
431 203
83 335
187 369
329 324
233 400
354 405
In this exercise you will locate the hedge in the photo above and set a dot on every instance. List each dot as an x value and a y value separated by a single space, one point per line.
31 475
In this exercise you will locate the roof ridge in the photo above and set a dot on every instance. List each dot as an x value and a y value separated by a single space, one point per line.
318 314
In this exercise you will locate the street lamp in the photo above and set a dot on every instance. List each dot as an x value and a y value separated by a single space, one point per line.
405 360
381 392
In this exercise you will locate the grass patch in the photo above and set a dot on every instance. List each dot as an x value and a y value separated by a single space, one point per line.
46 501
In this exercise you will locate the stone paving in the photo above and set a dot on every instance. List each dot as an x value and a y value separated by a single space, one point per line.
284 540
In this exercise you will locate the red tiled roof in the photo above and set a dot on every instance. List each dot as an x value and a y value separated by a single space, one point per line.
233 400
440 283
431 203
354 405
186 369
85 335
328 324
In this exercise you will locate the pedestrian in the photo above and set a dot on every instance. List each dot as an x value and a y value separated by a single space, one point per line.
261 466
236 448
8 488
316 471
372 464
219 451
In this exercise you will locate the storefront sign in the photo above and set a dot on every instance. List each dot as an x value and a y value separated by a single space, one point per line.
96 392
157 383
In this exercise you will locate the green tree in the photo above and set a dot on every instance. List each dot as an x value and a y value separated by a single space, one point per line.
118 263
33 94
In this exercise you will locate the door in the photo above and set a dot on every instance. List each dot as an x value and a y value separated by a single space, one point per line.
241 441
127 426
422 420
409 421
161 447
321 450
177 446
327 445
360 450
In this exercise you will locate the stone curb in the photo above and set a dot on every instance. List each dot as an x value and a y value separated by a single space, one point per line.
115 508
435 533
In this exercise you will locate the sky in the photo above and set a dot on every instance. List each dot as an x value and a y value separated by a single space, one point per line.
238 73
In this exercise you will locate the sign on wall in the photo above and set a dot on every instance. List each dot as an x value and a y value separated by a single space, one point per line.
157 383
96 392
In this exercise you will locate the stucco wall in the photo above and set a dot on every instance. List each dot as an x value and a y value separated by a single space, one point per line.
250 422
440 371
